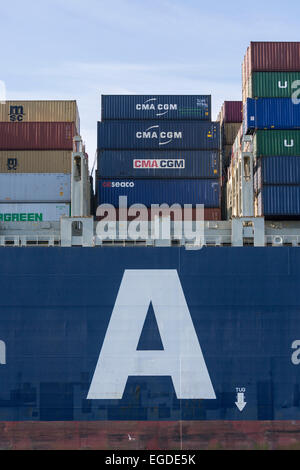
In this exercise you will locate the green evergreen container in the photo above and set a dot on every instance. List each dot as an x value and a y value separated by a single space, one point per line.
272 85
276 142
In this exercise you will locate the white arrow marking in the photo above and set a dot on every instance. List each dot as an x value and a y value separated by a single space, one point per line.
240 403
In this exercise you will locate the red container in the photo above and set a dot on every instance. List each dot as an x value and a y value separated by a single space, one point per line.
271 57
209 214
231 111
37 135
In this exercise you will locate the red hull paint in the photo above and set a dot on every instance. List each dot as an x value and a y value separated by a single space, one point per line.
157 435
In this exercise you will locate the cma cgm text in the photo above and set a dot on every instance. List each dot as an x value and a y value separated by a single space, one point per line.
159 163
154 107
158 135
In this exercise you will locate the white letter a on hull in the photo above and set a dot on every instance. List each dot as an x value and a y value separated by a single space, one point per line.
182 358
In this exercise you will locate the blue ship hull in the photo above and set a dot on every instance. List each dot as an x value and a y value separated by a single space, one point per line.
56 308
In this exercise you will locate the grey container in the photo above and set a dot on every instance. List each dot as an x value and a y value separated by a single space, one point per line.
15 214
35 187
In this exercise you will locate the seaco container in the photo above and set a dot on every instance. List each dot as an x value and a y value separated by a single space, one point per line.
278 170
35 187
276 142
37 135
270 113
272 85
159 191
35 161
138 135
271 57
34 212
278 201
40 111
160 164
156 107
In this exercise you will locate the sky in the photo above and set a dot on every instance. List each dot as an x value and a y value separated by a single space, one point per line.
79 49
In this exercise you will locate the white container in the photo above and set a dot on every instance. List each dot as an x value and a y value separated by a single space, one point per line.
35 187
36 212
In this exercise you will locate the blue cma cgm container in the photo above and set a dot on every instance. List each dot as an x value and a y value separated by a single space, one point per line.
159 191
154 135
279 201
277 170
270 113
160 164
156 107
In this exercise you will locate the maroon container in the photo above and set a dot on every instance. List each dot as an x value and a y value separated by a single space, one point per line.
231 111
37 135
271 57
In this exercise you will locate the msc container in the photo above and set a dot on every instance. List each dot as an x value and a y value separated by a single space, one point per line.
276 143
156 107
231 111
160 164
229 132
40 111
277 170
35 161
271 57
35 212
278 201
270 113
35 187
159 191
154 135
272 85
37 135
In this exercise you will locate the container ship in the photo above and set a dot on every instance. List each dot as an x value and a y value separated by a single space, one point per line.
124 328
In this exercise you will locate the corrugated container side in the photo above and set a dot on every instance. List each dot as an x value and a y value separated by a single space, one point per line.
271 57
35 161
278 170
35 187
37 135
34 212
271 85
149 107
164 164
232 111
40 111
226 155
279 200
157 191
276 143
270 113
210 213
229 132
139 135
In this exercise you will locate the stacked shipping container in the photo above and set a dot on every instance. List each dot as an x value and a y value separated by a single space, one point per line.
159 149
271 73
36 143
230 118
